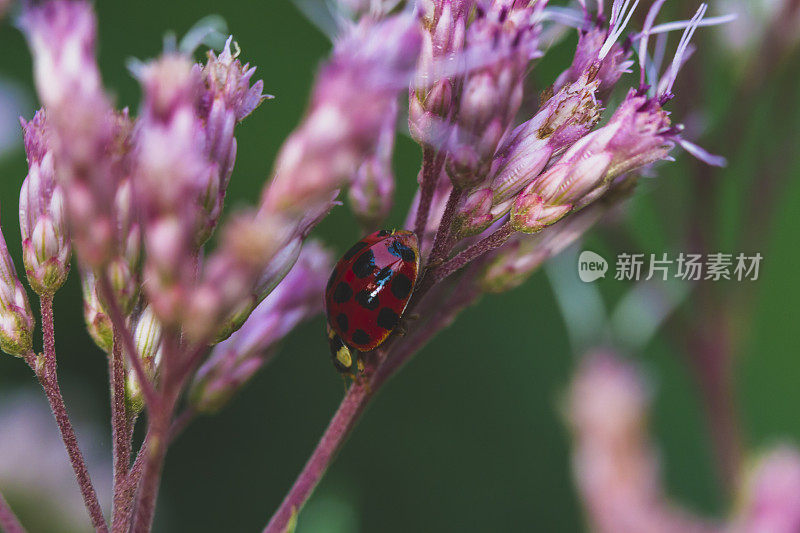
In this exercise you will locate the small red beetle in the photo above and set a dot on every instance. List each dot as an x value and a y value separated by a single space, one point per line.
367 293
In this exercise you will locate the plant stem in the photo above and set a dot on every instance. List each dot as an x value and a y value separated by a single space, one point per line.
155 451
338 429
441 243
118 321
120 437
49 380
487 244
431 168
8 520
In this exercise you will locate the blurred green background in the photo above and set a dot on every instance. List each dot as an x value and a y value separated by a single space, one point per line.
468 437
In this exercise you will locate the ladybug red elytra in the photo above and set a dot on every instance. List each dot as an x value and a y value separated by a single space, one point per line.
367 293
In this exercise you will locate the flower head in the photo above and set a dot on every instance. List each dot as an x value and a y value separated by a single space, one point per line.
228 97
80 118
45 237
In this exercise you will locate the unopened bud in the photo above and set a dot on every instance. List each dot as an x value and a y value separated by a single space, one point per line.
98 323
16 318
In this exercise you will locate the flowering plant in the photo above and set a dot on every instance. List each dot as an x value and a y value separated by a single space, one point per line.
502 188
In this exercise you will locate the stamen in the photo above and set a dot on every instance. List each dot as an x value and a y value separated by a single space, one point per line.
646 29
618 26
665 86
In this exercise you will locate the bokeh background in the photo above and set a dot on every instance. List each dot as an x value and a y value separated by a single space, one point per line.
469 436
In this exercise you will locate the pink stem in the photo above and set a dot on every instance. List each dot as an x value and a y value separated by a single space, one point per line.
129 345
120 438
431 168
49 380
441 243
8 520
339 428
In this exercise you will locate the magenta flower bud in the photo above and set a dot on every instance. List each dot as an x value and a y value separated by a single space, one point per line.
172 171
771 499
433 90
531 213
16 318
233 362
81 120
227 99
609 70
372 189
353 95
563 119
46 245
492 95
474 215
98 323
231 273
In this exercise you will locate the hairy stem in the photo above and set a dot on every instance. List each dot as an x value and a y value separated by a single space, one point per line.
120 437
128 343
441 244
431 168
487 244
48 377
155 451
8 520
341 424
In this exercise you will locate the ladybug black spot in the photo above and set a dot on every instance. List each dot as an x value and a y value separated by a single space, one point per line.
342 293
367 300
401 286
403 252
364 265
357 247
360 337
343 323
388 319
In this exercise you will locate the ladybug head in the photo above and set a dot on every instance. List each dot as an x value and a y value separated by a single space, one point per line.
346 359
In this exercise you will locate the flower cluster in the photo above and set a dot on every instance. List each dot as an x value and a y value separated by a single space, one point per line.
138 197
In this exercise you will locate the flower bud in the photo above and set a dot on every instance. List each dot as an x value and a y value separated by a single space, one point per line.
372 189
82 126
98 323
474 214
16 318
234 361
227 99
45 238
531 214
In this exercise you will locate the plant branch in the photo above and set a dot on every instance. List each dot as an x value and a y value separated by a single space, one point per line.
8 520
431 168
48 377
441 243
339 428
487 244
120 436
118 321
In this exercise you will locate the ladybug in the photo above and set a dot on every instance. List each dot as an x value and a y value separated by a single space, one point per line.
367 293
